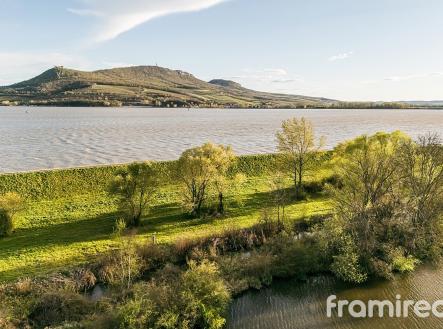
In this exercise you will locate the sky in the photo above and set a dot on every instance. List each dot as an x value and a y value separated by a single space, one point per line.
362 50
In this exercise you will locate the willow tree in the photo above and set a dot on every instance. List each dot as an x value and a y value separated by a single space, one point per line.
297 147
371 224
421 170
135 188
200 167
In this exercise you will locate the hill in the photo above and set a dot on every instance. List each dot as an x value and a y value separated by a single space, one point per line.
143 86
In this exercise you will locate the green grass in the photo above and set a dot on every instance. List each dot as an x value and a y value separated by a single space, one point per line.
62 232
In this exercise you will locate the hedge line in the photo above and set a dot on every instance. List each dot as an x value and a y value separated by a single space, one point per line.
58 183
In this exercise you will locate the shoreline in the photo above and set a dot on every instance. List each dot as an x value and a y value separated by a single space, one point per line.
437 107
118 164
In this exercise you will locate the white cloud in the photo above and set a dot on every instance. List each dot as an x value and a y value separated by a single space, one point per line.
276 71
400 78
85 12
412 76
277 75
285 80
119 16
340 56
18 66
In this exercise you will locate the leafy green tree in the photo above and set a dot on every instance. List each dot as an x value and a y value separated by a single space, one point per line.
388 207
368 169
368 200
205 294
421 168
10 204
200 167
298 148
135 188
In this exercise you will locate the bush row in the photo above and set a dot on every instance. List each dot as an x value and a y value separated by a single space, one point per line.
58 183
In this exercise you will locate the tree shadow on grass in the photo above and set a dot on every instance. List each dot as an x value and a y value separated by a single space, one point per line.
172 219
261 200
41 267
167 218
86 230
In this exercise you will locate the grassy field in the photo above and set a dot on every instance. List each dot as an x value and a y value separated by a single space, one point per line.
61 231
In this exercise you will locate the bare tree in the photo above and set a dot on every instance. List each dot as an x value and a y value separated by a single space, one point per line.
280 197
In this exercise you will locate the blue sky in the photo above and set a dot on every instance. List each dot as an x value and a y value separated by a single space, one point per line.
342 49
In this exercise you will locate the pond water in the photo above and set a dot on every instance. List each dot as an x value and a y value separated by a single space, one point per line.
34 138
296 305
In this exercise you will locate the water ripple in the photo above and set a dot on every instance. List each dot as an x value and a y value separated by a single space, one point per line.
44 138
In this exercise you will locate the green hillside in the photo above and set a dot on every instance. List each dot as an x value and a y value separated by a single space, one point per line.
143 86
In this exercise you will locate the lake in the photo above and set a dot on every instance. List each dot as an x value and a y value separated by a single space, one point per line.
34 138
302 305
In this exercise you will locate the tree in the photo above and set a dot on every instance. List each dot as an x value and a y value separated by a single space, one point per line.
387 205
224 185
201 166
135 187
421 169
368 202
368 169
297 146
10 204
280 196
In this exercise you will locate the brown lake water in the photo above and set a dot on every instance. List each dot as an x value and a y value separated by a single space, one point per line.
296 305
42 138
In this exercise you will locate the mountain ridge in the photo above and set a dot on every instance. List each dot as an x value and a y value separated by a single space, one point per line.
154 86
144 86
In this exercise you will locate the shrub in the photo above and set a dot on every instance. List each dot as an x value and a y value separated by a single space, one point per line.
295 258
55 308
6 224
154 256
183 247
247 270
120 266
346 265
23 286
401 263
205 295
84 279
10 204
196 298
